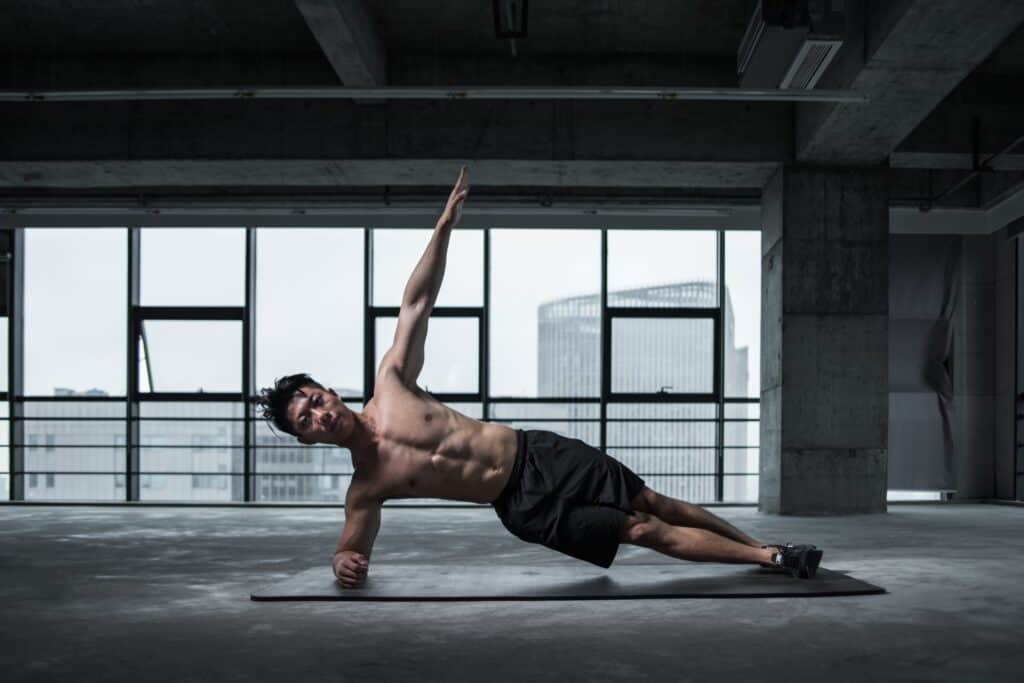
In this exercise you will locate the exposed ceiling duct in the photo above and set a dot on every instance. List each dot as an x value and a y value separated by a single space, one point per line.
789 44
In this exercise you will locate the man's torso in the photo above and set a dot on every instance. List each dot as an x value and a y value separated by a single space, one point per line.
427 450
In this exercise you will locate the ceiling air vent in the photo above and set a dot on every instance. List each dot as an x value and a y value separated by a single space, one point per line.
789 44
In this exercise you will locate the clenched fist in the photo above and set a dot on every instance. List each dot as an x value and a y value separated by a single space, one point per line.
350 568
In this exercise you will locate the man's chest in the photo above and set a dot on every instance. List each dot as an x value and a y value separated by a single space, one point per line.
410 420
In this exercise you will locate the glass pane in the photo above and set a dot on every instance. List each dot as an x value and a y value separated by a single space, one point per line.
84 487
742 313
560 411
5 452
740 488
198 436
663 411
451 356
74 459
662 268
330 488
3 354
746 411
191 409
674 355
309 306
76 409
192 266
192 487
701 435
286 459
577 420
50 433
396 253
191 355
196 459
745 433
545 313
741 460
75 300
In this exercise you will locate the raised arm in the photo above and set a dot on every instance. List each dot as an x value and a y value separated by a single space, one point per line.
407 351
362 522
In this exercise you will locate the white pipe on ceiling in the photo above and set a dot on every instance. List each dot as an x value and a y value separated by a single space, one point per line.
438 92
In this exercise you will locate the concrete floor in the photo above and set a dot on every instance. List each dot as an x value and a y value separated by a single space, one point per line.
162 594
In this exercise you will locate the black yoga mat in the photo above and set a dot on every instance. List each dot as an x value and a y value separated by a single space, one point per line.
423 582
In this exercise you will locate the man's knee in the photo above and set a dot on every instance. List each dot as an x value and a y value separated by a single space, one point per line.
640 528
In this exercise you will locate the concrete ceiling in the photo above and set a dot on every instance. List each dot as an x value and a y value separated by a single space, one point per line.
149 27
727 147
190 27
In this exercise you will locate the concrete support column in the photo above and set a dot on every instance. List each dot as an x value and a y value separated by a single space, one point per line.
824 341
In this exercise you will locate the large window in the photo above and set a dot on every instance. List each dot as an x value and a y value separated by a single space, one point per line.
643 343
396 253
193 266
190 356
545 313
74 299
309 306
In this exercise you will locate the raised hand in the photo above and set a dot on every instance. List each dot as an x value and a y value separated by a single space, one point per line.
453 210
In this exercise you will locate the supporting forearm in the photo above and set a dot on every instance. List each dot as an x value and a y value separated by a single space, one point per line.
426 279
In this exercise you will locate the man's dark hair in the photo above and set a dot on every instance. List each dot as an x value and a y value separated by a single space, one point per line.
274 400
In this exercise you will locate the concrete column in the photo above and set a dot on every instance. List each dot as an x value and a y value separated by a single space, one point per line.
824 341
974 371
1005 361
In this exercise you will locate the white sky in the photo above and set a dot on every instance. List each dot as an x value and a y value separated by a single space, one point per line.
309 300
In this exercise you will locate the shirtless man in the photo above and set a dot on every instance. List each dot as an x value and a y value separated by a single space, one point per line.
545 488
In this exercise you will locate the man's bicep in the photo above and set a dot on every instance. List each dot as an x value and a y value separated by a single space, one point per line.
408 347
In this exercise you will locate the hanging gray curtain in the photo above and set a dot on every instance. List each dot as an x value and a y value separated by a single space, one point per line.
924 281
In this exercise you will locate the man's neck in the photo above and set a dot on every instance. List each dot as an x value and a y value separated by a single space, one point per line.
362 442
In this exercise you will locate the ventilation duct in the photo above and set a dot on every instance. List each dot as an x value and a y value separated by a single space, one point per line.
789 44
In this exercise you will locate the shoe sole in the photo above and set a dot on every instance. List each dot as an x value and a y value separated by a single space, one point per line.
810 563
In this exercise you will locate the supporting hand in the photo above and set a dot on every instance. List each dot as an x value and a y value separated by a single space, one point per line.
350 568
453 210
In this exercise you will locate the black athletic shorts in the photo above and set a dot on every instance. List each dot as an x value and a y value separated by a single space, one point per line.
567 496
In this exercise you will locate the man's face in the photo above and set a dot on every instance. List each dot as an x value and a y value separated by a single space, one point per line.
318 416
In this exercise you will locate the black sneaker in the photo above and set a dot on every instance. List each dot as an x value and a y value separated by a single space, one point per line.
800 560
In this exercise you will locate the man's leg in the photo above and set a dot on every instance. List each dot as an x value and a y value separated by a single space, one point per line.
682 514
686 543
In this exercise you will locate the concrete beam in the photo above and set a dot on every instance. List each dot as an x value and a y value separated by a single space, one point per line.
953 160
341 173
111 72
403 129
1008 210
349 39
919 51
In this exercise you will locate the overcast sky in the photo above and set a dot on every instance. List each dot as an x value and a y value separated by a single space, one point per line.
310 299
